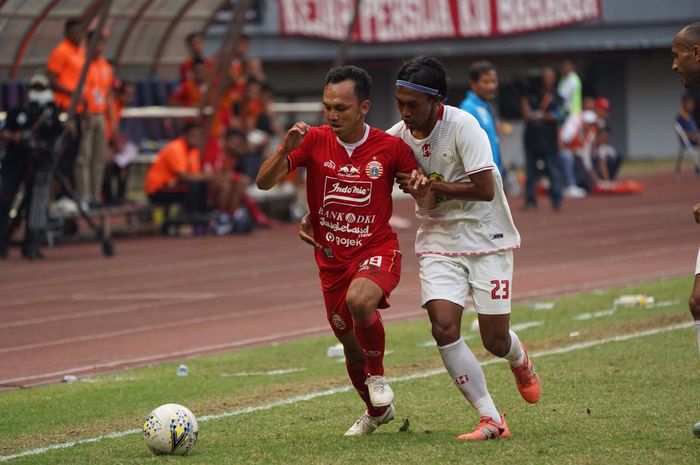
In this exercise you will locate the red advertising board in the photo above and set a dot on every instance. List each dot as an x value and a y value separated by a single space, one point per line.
406 20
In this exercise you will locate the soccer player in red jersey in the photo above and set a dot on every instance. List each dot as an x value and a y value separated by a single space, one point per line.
351 169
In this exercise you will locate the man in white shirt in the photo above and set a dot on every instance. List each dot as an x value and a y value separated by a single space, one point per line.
465 238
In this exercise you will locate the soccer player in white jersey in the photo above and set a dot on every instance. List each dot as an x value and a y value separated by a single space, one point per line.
465 238
686 62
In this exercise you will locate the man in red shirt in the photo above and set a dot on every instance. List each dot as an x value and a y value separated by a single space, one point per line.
351 169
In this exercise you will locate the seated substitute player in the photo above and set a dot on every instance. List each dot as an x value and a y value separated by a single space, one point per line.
464 241
351 169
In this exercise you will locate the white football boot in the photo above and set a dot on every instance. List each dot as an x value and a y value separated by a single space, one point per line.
380 393
367 424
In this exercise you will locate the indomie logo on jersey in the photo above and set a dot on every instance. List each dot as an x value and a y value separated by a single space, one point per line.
353 193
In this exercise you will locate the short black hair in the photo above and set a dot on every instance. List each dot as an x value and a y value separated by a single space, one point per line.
480 67
235 132
189 126
192 35
363 82
426 71
71 22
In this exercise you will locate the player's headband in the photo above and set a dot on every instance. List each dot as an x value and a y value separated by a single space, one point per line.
418 87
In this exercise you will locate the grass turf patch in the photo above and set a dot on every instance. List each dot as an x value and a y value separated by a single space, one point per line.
641 409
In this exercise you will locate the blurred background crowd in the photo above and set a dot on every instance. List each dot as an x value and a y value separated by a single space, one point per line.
178 109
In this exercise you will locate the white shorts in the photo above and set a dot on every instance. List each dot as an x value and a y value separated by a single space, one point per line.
450 278
697 264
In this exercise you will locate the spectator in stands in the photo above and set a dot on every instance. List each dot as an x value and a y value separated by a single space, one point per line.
483 84
121 151
577 133
267 120
602 109
65 63
240 156
63 70
192 90
541 109
92 156
195 48
177 177
686 120
570 89
605 159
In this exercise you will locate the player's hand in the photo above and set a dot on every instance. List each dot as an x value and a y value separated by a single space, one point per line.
403 180
696 212
419 185
295 136
306 232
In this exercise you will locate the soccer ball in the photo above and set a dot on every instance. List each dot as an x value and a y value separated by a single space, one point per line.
170 429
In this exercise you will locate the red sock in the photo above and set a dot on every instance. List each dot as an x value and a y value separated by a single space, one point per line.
358 376
370 335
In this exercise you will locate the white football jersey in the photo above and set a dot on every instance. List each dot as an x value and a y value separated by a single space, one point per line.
456 148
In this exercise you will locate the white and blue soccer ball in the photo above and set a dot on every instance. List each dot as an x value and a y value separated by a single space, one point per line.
170 429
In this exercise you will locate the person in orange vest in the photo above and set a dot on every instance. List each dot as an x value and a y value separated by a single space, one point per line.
91 160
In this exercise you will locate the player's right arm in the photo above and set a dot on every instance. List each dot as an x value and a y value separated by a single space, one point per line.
696 212
277 165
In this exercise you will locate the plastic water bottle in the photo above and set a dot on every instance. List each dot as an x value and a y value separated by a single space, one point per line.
182 370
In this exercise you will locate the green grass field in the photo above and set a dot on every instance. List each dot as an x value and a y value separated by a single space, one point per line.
627 401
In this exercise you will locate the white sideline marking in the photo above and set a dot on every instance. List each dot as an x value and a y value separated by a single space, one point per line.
337 390
526 325
591 315
263 373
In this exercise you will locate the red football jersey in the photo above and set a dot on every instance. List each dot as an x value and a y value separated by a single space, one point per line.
350 195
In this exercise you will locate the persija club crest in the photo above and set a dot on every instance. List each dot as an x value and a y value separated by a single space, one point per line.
374 169
426 150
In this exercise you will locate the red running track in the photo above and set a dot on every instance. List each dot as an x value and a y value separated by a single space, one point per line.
163 299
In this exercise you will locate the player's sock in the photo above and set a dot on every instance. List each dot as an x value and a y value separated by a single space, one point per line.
516 354
357 373
370 335
467 374
697 331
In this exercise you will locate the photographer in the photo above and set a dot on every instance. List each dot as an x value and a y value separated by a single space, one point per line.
30 132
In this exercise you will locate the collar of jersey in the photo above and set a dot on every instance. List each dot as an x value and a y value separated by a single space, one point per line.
351 147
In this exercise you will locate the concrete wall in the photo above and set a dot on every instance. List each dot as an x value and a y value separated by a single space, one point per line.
653 95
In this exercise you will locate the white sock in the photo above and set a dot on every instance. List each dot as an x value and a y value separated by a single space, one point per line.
516 354
468 377
697 330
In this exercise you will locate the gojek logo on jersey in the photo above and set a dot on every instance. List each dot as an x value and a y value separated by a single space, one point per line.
352 193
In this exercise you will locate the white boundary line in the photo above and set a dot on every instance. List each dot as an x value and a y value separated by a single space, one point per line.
337 390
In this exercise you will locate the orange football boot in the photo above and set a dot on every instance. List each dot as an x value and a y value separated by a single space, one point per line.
527 380
488 428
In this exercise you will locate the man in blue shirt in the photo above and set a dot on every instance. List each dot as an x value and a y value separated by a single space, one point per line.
483 82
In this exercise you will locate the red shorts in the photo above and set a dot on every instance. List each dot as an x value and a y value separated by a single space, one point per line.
384 270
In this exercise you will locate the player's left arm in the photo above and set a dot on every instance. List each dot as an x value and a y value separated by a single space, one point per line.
474 149
696 212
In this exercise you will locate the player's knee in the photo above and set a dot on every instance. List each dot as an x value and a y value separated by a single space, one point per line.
445 333
694 305
360 305
497 345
